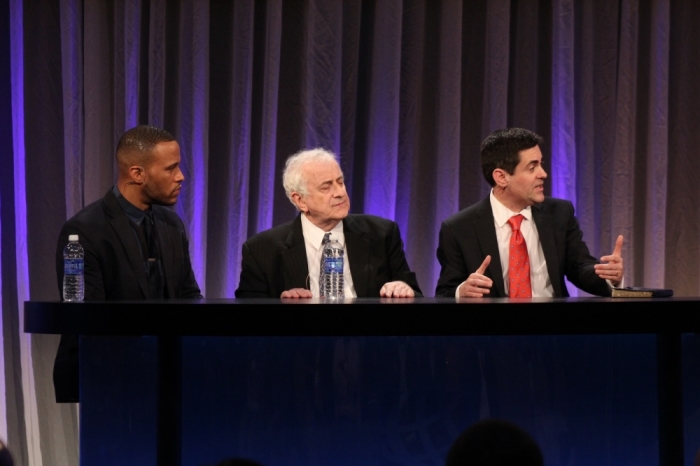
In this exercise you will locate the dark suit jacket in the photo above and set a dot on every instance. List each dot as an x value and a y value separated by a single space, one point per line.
114 269
275 260
469 236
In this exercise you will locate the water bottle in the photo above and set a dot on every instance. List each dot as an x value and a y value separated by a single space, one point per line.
332 284
73 270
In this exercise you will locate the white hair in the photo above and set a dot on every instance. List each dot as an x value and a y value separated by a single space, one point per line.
293 175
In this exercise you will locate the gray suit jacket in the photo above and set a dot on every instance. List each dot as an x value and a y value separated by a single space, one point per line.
467 237
275 260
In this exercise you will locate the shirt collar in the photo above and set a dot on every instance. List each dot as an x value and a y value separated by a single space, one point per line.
313 235
134 213
501 213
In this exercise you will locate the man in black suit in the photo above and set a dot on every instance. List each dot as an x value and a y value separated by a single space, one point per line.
474 243
135 248
285 260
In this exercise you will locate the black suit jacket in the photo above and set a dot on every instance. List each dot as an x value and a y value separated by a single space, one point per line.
114 269
469 236
275 260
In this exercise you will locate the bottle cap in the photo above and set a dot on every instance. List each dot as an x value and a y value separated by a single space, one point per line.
73 238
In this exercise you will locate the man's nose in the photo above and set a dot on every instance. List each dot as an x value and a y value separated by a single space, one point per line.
338 190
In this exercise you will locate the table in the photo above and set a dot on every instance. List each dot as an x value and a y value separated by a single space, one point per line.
100 324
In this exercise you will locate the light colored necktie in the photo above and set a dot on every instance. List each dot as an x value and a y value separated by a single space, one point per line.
518 262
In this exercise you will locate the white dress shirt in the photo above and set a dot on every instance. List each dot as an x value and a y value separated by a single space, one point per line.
313 237
540 283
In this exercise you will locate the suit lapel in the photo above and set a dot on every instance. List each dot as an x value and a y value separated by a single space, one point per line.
486 233
122 227
295 268
545 230
357 244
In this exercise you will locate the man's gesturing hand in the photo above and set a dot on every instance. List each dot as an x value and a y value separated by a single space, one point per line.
477 284
612 267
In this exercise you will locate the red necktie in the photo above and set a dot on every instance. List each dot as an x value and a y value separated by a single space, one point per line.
518 262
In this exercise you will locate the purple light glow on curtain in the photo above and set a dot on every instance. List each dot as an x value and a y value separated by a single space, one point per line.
17 66
450 96
563 148
589 142
132 69
3 391
193 122
412 78
26 357
3 387
383 122
238 163
268 134
72 77
563 155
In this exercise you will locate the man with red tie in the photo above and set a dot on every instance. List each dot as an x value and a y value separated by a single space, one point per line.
517 243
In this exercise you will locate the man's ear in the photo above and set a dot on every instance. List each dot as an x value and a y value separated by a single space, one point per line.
137 174
499 176
299 202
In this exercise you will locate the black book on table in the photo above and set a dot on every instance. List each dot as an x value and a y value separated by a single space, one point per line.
641 292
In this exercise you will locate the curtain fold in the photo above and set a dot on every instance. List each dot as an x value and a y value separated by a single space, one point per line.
622 164
656 143
192 129
382 121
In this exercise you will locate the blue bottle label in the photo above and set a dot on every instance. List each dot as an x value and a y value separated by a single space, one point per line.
333 264
73 266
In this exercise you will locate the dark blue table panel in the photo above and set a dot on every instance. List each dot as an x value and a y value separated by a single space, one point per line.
118 411
691 396
587 400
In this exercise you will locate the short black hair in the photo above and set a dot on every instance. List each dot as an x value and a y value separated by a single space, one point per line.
494 442
141 140
501 149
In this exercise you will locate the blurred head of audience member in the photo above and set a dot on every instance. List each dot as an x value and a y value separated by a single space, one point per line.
5 457
494 442
237 462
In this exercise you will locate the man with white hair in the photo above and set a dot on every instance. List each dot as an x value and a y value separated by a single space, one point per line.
284 262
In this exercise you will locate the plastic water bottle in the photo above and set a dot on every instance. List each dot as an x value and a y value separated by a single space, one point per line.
73 270
332 284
